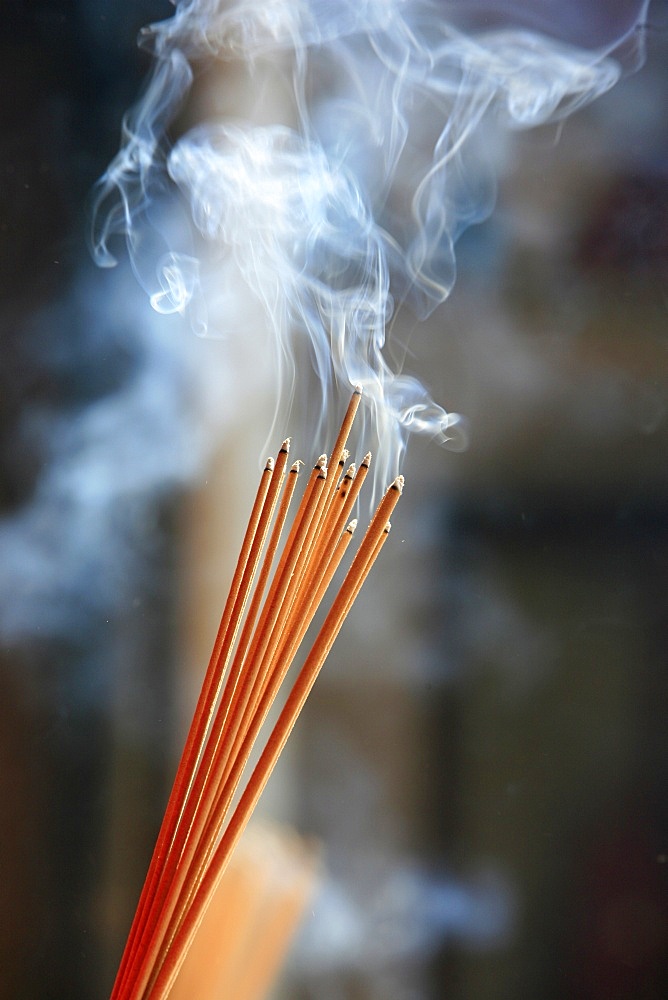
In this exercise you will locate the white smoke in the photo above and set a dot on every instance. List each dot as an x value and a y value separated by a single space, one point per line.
410 914
351 206
72 555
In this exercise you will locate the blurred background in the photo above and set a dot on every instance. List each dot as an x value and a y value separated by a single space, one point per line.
485 757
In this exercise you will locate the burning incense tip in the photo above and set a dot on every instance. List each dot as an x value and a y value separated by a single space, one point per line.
295 467
269 467
285 447
351 527
344 485
398 484
321 463
367 459
388 528
357 390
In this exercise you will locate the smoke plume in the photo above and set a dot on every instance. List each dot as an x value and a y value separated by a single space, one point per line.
349 207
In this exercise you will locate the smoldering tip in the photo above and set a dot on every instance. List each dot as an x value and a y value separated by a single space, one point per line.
351 527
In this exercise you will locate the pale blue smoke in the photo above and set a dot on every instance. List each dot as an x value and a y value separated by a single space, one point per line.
353 210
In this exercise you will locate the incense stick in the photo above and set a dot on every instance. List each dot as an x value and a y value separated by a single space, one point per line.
264 623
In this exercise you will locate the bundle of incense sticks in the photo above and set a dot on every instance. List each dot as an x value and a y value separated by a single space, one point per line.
271 603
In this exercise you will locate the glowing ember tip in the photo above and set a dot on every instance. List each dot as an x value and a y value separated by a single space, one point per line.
351 527
269 467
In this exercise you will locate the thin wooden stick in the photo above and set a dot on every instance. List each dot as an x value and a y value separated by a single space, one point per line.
344 431
281 661
299 622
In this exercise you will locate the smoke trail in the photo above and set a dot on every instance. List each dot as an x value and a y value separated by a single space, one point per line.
410 913
352 206
118 437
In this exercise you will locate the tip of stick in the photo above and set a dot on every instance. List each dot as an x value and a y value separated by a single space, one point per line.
367 459
285 446
344 455
269 467
398 484
321 463
351 527
357 391
352 469
387 528
296 466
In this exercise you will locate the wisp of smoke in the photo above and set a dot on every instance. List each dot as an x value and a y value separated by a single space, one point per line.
410 913
72 555
353 206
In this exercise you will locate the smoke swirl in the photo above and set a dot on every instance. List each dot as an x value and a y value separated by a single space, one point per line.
350 207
